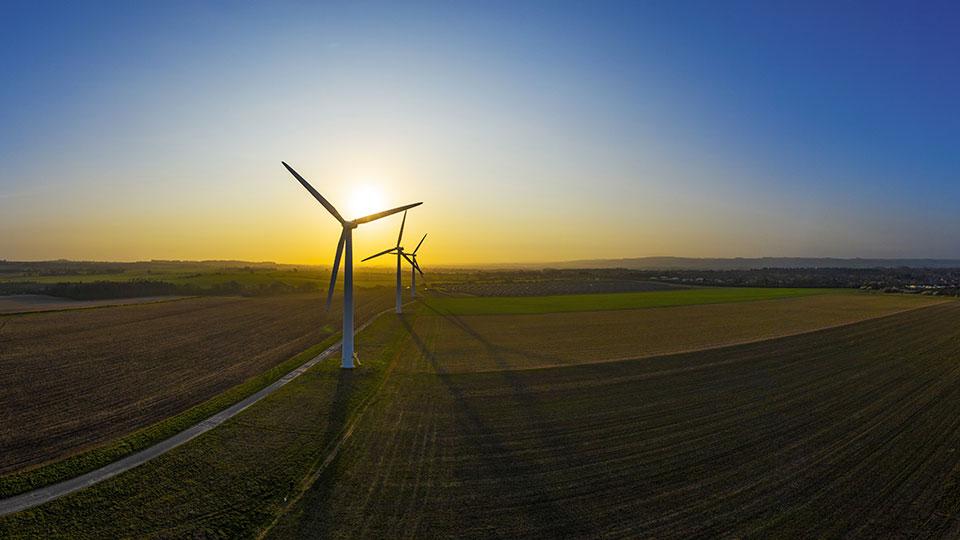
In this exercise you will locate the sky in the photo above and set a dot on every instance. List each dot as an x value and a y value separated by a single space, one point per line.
531 131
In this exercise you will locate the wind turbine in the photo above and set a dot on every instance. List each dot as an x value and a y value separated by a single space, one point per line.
398 249
414 267
346 241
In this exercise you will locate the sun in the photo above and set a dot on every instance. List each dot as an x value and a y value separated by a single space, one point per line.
365 199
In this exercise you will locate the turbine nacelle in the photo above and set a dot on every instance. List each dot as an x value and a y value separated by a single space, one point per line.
401 256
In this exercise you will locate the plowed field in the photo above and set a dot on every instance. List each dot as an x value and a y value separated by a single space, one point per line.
72 380
852 431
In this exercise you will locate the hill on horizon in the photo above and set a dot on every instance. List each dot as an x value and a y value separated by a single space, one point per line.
630 263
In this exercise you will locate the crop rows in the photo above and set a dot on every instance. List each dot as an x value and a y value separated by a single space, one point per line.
853 431
233 480
490 343
73 380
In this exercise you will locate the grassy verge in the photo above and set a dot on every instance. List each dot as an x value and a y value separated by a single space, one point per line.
73 466
614 301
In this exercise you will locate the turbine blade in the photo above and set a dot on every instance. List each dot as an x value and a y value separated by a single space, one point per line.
336 267
421 242
384 252
385 213
402 223
316 195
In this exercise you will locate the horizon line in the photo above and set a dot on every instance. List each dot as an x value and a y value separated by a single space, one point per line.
501 264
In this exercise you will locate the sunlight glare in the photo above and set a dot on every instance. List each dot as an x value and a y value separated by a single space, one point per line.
365 199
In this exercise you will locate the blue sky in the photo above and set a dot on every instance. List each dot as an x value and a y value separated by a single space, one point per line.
155 130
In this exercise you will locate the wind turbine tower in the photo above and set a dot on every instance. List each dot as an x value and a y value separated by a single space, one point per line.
414 267
345 245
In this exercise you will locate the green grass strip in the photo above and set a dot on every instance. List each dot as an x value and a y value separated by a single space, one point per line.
45 475
613 301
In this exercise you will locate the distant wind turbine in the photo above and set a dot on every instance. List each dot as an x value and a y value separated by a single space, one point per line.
346 240
414 267
398 249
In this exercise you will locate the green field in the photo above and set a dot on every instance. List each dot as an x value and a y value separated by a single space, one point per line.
614 301
841 432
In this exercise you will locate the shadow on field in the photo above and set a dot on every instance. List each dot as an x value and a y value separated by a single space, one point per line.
318 486
340 406
511 469
497 351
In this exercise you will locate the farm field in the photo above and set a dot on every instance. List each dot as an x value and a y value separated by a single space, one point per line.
252 278
297 270
850 431
490 343
453 305
76 379
541 286
852 425
230 481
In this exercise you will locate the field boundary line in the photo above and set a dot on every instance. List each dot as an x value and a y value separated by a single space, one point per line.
103 306
36 497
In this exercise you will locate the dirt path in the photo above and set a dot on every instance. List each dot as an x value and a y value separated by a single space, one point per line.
49 493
